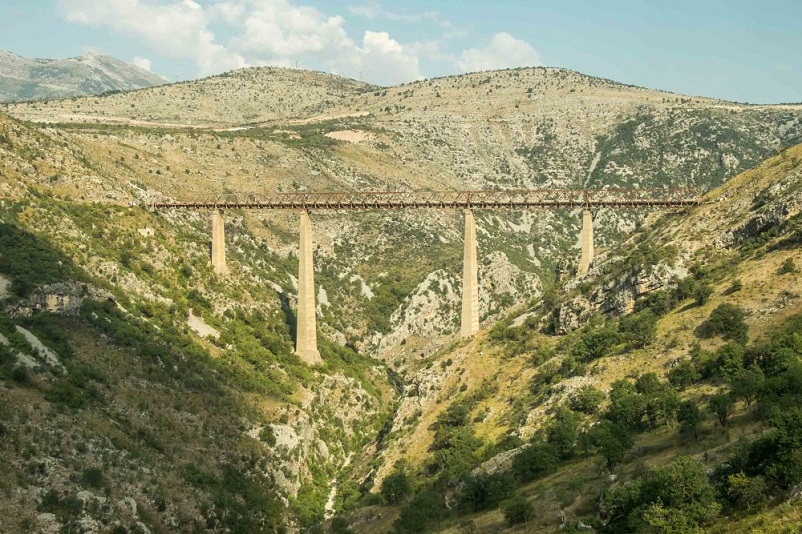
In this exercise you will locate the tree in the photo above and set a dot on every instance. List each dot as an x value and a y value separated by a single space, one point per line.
426 506
587 399
483 492
726 320
518 510
702 293
396 486
640 328
660 400
682 375
690 417
562 431
596 342
748 383
722 404
627 406
677 498
747 492
613 441
534 461
730 360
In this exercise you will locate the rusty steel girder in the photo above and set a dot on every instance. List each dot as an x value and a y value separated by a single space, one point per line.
491 198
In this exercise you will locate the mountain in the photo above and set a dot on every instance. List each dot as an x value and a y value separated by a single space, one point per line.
44 79
148 393
257 130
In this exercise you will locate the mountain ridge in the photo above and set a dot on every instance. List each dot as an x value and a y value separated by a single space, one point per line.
42 79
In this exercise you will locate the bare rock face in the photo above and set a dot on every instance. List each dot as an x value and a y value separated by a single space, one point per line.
616 297
59 298
499 463
47 524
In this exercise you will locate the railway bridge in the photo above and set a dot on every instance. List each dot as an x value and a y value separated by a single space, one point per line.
519 199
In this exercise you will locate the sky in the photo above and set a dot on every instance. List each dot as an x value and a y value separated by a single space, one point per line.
739 50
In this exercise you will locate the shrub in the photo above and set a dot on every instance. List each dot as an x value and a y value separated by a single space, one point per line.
587 399
268 436
727 320
788 267
639 329
682 375
92 477
722 404
674 498
613 441
20 375
518 510
702 293
690 417
425 507
534 461
339 525
486 491
396 486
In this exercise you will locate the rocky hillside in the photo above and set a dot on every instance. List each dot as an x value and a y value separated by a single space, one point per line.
233 100
142 392
90 74
149 394
687 304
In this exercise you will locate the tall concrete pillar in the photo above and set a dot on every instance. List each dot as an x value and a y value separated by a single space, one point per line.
586 242
218 244
470 281
306 336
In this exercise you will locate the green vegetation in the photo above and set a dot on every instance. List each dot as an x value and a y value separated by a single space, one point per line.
674 498
518 510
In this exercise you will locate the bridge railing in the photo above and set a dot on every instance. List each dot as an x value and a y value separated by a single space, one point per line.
491 198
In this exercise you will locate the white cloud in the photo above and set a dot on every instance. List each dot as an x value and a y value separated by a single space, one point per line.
381 59
230 12
143 63
374 10
177 29
502 52
370 10
278 29
277 32
262 32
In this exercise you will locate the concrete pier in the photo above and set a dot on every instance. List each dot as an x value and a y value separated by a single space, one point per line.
218 243
586 242
470 281
306 337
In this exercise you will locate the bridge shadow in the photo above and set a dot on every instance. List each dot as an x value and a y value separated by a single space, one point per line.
289 316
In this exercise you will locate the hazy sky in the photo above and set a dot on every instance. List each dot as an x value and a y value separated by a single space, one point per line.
741 50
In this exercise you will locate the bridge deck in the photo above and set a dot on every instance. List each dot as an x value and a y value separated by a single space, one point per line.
509 199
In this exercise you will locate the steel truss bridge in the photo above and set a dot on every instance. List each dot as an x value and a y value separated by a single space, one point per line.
646 198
